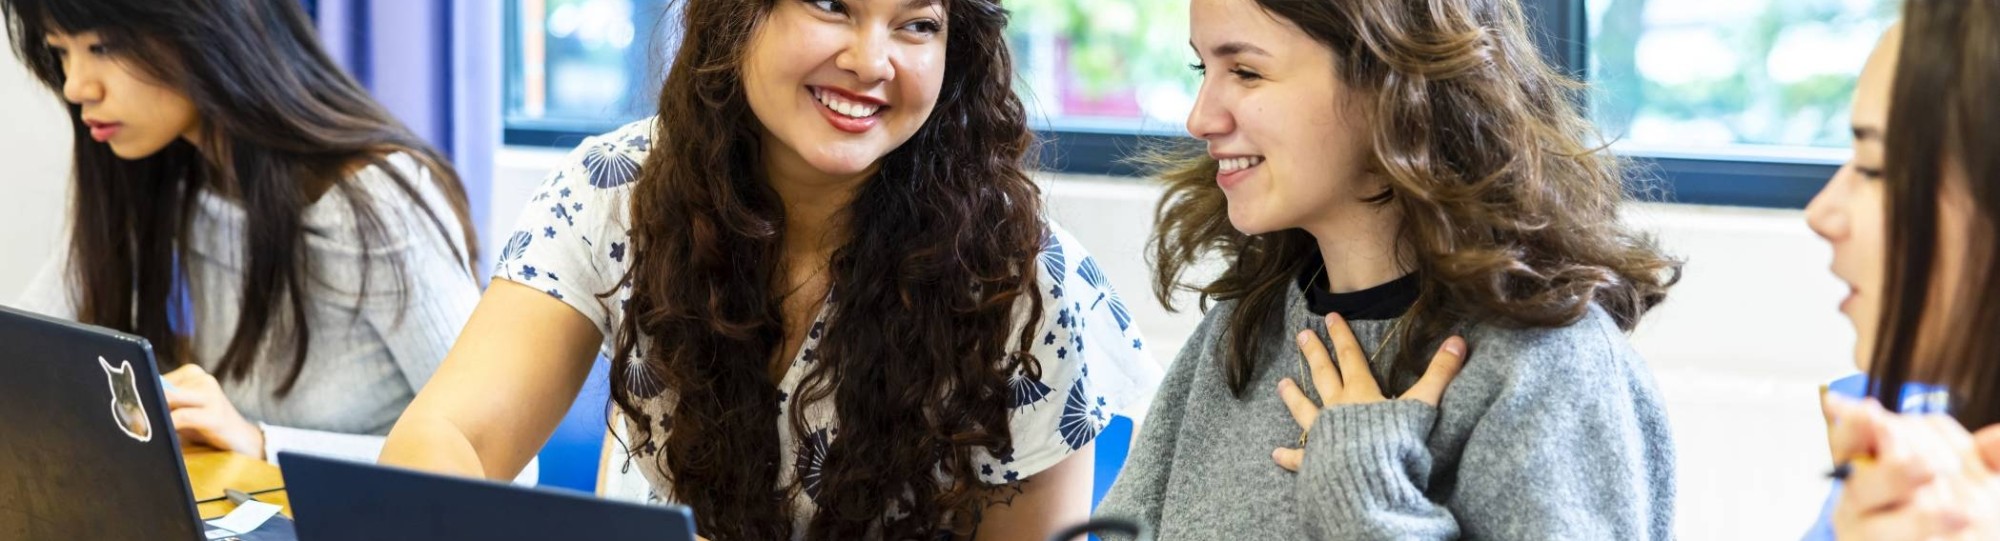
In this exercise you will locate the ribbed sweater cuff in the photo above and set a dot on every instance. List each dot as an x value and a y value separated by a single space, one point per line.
1368 460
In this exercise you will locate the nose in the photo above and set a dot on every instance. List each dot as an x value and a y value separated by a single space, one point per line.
1827 214
1210 118
80 83
868 57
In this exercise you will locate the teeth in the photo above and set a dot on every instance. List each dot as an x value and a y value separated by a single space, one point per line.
844 107
1238 164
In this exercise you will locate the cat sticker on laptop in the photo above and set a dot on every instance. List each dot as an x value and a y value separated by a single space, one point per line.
126 410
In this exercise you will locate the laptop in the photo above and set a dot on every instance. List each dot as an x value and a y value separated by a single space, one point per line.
337 500
86 448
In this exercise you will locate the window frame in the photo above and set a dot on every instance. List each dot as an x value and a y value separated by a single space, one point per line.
1562 32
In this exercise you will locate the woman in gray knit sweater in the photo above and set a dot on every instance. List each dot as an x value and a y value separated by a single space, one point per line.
1409 182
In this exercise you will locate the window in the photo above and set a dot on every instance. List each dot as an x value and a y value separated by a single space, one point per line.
1104 65
1736 77
1739 102
580 67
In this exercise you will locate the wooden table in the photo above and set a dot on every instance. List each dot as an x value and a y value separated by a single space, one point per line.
211 470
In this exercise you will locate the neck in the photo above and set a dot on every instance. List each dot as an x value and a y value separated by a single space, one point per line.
1359 246
815 203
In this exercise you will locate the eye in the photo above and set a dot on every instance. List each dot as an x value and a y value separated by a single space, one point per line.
1199 68
1246 75
829 6
1868 173
924 26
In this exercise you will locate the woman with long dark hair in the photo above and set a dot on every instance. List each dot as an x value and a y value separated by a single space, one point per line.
1410 181
832 304
247 208
1912 221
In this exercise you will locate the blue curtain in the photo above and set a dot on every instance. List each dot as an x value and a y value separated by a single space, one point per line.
436 65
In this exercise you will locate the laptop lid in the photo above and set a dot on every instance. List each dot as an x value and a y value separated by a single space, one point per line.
335 499
86 448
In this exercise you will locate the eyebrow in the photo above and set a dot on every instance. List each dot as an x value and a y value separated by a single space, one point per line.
1862 133
919 4
1237 48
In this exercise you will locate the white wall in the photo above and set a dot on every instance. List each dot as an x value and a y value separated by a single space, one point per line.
34 175
1739 348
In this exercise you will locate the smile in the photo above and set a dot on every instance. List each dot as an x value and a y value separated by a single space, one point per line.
847 112
850 108
1232 165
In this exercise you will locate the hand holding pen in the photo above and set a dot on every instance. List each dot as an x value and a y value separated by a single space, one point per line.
1913 477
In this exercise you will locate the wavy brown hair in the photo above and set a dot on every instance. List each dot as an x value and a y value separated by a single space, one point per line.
285 125
1509 213
1941 111
926 293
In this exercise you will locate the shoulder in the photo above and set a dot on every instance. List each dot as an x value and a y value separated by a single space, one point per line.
585 198
1061 256
405 204
390 184
1592 349
603 166
1074 285
572 237
611 160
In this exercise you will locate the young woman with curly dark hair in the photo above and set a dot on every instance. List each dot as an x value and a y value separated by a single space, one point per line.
1409 180
833 305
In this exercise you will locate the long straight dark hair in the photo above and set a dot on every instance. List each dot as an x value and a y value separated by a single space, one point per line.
281 124
1942 112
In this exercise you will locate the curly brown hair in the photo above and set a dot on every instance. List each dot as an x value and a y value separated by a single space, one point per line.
1509 215
927 293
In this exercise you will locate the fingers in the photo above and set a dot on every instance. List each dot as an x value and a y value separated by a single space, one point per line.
1988 441
191 376
1920 521
193 424
1289 459
177 399
1875 486
1444 366
1860 429
1324 378
1356 379
181 375
1948 449
1302 408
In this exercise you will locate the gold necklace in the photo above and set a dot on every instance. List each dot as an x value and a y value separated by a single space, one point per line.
1305 373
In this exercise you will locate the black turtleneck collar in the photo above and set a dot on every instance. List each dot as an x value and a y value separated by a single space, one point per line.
1386 301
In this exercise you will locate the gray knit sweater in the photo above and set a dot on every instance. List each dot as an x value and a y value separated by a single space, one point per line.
1545 434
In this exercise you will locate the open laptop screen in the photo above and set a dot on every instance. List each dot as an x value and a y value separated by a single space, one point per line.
335 499
86 448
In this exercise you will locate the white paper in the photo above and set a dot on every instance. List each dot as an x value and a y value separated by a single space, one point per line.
246 518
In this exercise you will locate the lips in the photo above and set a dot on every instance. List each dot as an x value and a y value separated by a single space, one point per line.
103 131
1233 170
847 111
1853 293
